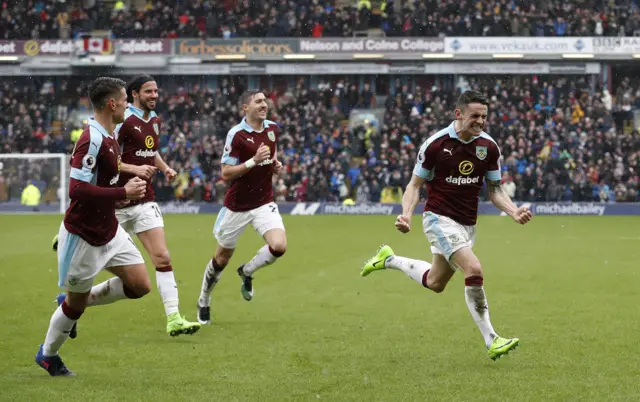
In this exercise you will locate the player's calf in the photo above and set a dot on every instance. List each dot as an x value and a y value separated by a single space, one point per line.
434 285
136 291
112 290
135 281
439 275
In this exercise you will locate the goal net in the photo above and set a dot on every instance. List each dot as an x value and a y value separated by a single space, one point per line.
46 175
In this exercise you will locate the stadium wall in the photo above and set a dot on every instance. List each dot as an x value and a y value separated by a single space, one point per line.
321 208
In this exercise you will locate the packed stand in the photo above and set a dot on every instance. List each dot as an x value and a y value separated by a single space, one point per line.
52 19
560 141
516 18
49 19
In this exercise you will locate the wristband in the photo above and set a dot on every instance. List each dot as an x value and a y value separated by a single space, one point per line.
250 163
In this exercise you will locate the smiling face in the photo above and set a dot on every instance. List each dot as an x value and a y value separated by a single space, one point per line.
472 118
147 97
255 107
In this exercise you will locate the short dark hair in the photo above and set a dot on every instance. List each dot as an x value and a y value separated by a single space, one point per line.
136 83
102 88
468 97
247 95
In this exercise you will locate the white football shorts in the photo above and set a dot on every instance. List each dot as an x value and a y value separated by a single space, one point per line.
446 235
230 225
140 218
79 262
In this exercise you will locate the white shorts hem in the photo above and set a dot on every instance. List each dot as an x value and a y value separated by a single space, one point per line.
140 218
230 225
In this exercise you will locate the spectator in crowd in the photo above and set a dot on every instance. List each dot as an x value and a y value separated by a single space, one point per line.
31 196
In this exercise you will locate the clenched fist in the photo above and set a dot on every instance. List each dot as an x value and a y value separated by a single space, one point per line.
403 224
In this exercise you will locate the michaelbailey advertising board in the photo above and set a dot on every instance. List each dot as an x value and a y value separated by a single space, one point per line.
322 208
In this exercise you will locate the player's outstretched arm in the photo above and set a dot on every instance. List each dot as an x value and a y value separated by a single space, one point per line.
410 199
502 201
411 195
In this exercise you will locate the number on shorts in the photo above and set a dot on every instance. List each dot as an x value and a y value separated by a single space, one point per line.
273 208
158 213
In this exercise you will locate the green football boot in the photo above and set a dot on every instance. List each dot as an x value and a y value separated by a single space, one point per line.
502 346
377 262
177 325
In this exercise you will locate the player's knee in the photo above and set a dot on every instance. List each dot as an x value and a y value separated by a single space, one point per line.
278 248
73 311
137 289
222 260
161 258
474 269
222 257
75 304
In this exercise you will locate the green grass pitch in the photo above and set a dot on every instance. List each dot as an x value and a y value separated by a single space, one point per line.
567 286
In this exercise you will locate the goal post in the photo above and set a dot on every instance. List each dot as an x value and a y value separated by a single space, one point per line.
49 173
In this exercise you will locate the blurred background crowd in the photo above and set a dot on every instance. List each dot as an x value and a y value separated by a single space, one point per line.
52 19
559 139
563 138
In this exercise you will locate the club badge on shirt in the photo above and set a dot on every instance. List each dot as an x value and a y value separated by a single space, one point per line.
481 152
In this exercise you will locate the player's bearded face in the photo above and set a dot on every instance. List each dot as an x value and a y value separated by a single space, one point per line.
472 118
257 108
148 95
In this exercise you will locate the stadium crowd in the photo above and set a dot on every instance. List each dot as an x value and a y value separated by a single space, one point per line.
560 141
51 19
